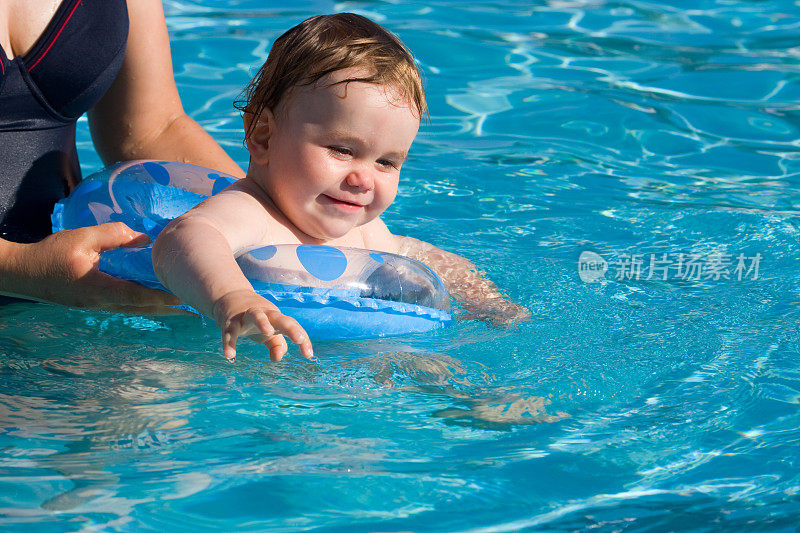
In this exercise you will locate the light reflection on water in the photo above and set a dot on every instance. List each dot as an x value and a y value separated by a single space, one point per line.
559 127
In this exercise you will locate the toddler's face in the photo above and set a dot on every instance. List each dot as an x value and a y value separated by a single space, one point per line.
335 154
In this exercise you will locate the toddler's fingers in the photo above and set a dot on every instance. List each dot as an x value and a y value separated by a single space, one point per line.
261 321
277 347
306 349
229 337
290 327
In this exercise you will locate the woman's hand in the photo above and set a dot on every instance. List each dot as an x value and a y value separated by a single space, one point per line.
63 269
246 314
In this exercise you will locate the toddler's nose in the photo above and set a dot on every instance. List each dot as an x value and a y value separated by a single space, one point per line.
361 180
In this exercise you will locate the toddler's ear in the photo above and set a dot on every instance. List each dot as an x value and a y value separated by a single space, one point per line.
260 131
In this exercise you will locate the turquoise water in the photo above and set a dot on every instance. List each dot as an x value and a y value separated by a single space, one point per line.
626 129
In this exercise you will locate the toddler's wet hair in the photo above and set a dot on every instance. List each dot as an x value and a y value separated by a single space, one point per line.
324 44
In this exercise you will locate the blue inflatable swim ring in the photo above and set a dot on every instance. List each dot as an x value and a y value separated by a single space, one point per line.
333 292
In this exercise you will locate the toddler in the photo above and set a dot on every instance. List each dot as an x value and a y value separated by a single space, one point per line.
329 120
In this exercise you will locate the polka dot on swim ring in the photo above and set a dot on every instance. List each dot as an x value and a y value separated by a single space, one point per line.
322 262
159 174
376 257
85 217
88 187
220 182
149 225
265 253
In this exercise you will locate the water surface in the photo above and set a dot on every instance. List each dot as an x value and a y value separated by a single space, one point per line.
657 135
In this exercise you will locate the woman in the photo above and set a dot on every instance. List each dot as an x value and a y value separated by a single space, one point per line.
59 59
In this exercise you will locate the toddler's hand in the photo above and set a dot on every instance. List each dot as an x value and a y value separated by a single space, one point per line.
245 313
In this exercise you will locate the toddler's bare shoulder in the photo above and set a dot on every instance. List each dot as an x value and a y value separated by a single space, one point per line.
378 237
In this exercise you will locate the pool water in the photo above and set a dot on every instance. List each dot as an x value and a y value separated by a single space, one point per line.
626 170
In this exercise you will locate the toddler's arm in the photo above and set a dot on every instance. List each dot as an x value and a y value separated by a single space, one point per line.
193 258
465 283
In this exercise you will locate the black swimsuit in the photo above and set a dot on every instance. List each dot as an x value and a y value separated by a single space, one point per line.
42 95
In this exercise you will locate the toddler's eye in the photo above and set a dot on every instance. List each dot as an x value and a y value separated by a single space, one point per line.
340 150
385 163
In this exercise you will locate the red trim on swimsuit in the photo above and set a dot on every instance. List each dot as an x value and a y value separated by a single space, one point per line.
79 2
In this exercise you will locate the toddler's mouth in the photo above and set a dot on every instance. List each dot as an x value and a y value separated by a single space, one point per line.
343 203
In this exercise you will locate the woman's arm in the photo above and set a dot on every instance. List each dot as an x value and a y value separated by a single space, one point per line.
62 269
462 279
141 115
